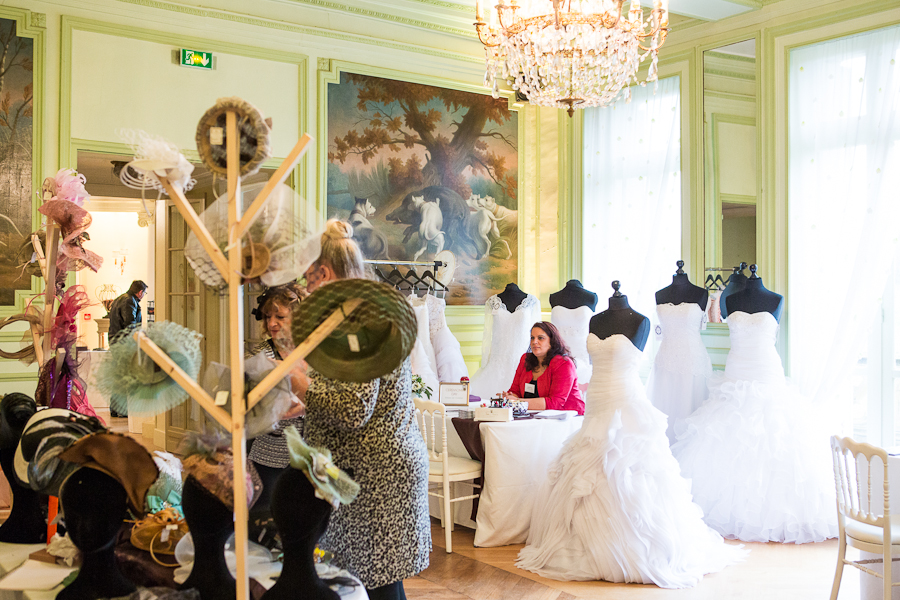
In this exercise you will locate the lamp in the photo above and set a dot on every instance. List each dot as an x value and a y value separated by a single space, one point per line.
569 53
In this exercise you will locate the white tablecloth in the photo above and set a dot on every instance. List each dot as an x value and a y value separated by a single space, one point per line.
517 455
13 555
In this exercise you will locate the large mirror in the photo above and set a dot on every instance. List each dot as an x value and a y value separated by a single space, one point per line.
729 157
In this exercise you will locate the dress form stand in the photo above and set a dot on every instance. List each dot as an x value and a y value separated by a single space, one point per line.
622 319
94 505
573 295
755 298
211 523
25 524
301 519
512 296
735 284
682 290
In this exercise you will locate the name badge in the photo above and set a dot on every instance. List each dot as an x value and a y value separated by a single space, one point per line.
529 388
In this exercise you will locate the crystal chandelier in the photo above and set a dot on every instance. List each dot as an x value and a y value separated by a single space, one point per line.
569 53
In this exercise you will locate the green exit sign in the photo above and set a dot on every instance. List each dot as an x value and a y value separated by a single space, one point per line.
196 58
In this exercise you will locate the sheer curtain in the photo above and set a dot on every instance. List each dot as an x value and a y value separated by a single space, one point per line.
843 202
632 195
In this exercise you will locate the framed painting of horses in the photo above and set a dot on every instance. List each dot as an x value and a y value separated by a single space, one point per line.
417 169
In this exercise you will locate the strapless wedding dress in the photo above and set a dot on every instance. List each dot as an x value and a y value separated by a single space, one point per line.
756 453
573 325
507 336
614 506
679 377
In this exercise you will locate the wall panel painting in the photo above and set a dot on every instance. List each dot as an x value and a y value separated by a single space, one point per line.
16 156
417 169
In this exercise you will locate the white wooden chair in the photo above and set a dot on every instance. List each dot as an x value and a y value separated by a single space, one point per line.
443 468
863 526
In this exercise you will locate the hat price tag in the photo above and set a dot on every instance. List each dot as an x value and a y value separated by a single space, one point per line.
221 397
353 341
216 136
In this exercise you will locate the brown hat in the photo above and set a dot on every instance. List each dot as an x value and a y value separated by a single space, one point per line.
120 457
371 342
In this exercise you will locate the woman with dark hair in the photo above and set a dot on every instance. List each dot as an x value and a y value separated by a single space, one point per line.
546 377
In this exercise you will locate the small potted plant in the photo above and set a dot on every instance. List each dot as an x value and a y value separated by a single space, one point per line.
419 389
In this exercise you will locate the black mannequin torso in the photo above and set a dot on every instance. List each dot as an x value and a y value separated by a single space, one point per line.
736 283
211 524
621 318
682 291
94 506
25 524
512 296
301 519
755 298
573 295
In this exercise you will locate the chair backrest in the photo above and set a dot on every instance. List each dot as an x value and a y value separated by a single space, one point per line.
431 417
850 458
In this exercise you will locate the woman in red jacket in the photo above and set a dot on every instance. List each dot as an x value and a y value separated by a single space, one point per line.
545 377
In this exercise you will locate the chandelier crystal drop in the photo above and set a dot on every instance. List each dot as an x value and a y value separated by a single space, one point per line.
569 53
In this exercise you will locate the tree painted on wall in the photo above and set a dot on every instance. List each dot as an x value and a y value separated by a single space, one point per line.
16 155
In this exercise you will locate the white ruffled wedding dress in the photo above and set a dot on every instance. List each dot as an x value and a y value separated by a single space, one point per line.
614 506
507 336
756 453
678 382
573 325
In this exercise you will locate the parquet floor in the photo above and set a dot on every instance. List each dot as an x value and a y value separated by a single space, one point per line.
770 572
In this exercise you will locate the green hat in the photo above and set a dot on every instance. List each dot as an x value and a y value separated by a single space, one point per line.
371 342
332 484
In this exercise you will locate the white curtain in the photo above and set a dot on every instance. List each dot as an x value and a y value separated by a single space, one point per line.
632 195
843 202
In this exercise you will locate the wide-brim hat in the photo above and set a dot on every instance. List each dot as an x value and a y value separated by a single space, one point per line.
46 435
371 342
120 457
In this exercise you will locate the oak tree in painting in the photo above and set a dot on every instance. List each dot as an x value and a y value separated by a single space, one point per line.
400 146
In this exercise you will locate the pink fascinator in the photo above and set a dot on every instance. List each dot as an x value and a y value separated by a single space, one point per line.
63 197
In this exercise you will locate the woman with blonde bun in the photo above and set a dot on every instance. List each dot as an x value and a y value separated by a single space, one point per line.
341 257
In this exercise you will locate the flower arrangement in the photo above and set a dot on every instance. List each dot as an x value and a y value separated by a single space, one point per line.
419 388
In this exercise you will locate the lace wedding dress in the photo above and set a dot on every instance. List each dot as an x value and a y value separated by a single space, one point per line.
756 454
573 325
507 336
614 506
679 377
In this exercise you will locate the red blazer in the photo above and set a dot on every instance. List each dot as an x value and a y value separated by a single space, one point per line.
558 385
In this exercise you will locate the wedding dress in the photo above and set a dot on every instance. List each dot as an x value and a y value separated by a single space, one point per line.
573 325
448 354
614 506
507 336
756 453
423 358
678 380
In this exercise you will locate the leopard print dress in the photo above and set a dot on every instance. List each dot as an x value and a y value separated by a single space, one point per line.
384 536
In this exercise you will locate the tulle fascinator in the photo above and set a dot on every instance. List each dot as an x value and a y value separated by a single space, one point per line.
120 457
26 354
209 460
264 416
134 383
46 435
15 411
277 248
155 158
253 129
332 484
64 196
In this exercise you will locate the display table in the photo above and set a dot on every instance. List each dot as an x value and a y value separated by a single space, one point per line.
516 457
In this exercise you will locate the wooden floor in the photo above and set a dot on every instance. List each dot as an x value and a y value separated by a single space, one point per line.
770 572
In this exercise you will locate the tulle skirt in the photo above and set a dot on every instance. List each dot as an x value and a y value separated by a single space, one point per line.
759 462
615 508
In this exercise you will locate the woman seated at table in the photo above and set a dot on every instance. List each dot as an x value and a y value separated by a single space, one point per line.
545 377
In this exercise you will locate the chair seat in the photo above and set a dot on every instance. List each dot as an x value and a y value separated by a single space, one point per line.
872 534
458 466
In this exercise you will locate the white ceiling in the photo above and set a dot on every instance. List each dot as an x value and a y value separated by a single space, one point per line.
706 10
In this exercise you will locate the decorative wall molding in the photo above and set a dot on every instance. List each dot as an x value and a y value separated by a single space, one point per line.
246 19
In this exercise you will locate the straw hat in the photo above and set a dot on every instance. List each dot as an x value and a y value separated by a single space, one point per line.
370 343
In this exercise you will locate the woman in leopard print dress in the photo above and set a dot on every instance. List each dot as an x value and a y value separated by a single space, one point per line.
384 536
